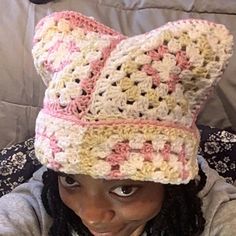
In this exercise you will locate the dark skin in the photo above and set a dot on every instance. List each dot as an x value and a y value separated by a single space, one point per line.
111 207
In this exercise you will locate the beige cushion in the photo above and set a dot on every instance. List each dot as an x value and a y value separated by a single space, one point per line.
21 90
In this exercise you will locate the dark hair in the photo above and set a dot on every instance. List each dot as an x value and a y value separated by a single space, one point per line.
181 213
40 1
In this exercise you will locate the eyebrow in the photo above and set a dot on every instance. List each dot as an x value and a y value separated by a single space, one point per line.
123 182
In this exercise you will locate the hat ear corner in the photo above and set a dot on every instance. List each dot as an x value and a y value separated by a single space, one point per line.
208 48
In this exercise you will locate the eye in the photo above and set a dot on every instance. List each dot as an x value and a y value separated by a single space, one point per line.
125 191
68 182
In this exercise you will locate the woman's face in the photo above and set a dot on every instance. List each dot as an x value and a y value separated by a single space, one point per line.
111 207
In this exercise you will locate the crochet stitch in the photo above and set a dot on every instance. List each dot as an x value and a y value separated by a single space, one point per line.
125 108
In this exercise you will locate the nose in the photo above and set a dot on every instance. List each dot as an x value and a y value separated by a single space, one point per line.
96 211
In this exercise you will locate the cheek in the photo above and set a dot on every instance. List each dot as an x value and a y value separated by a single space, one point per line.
144 209
68 197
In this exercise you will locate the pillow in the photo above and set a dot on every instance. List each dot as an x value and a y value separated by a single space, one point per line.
17 164
218 147
129 17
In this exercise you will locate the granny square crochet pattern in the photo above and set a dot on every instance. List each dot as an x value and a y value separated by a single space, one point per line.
125 108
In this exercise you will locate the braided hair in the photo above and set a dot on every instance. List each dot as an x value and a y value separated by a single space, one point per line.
180 215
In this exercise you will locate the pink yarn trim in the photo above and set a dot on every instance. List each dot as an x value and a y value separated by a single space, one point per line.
72 47
185 174
147 151
120 152
182 60
166 152
172 82
53 145
75 20
91 24
49 66
54 165
156 80
182 158
79 105
122 148
149 70
118 122
115 174
157 54
116 159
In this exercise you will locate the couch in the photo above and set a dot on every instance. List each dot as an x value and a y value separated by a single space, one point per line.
22 91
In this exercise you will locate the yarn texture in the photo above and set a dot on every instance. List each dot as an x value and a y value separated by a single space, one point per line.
125 108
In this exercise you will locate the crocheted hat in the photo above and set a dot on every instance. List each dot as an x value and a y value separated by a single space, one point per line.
125 108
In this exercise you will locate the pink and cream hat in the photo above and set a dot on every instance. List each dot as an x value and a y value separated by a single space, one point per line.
125 108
